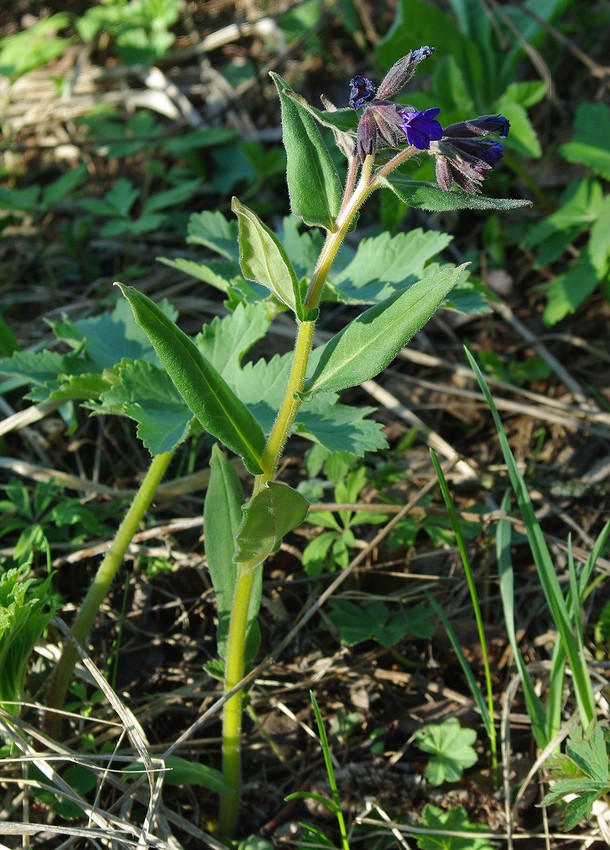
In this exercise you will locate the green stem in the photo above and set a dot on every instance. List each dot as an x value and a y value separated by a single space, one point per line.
100 586
246 571
233 710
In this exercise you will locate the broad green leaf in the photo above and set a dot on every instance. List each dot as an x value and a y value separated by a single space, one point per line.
303 249
363 279
568 290
217 274
146 394
590 143
60 188
222 518
582 771
268 517
374 620
206 393
370 342
19 199
40 367
26 606
263 259
111 337
336 426
214 231
451 748
450 829
430 196
313 183
171 197
225 341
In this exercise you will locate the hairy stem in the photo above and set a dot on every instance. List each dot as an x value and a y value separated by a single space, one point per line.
233 709
235 664
62 675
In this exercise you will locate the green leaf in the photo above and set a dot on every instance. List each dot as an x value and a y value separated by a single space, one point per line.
568 290
263 259
224 341
183 772
451 749
313 183
590 143
370 342
222 518
336 426
268 517
374 620
599 242
429 196
61 188
111 337
345 120
26 606
448 827
206 393
363 279
171 197
582 771
214 231
146 394
216 274
523 137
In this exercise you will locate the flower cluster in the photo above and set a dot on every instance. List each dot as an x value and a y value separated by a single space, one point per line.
462 151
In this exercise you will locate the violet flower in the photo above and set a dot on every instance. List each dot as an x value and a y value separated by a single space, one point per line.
384 124
465 155
421 128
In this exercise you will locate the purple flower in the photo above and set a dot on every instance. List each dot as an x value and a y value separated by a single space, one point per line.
421 128
362 91
465 156
383 124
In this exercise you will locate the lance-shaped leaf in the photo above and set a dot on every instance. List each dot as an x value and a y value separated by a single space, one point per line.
263 259
222 517
313 183
268 516
344 119
206 393
370 342
429 196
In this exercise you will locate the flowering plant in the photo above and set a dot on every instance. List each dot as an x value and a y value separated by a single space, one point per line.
206 388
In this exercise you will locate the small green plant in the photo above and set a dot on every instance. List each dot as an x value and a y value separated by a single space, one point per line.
333 804
331 549
581 773
44 517
450 747
581 222
140 29
26 606
451 829
34 47
374 620
176 387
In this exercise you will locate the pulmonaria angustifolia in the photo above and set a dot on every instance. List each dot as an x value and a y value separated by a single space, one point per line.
463 153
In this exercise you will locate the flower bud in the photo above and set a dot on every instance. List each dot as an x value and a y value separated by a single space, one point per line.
401 72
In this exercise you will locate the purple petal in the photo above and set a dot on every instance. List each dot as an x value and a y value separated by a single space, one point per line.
363 90
421 128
